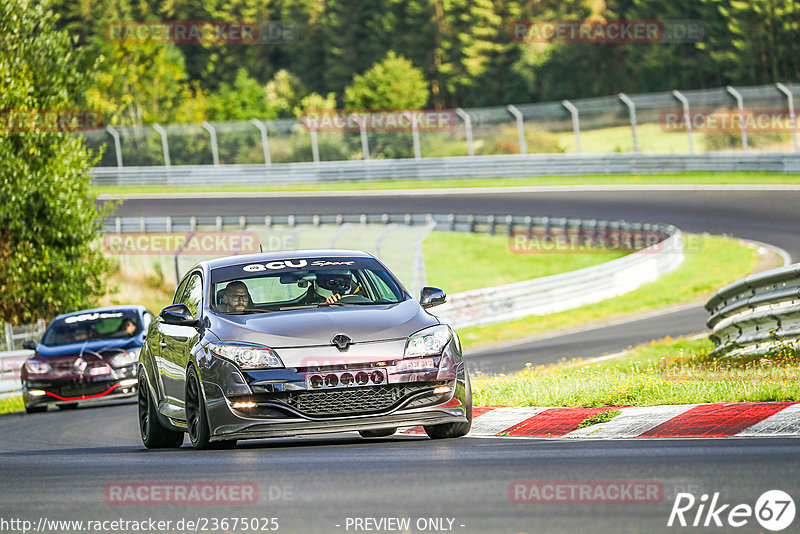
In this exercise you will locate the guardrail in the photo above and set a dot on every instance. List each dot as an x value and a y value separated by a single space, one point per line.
518 165
757 314
550 227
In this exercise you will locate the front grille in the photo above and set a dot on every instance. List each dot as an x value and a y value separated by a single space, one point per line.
74 388
351 401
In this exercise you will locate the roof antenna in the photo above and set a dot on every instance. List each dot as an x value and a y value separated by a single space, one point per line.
260 247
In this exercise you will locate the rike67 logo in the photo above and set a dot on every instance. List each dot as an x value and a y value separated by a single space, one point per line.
774 510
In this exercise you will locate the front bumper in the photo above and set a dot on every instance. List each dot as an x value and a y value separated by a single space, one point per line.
273 419
301 412
72 390
340 397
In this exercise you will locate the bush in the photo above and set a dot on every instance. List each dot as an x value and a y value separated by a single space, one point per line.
48 216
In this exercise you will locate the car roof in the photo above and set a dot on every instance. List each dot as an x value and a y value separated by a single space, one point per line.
283 255
128 307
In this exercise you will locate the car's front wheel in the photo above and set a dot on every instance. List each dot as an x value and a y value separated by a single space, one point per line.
154 435
197 417
454 430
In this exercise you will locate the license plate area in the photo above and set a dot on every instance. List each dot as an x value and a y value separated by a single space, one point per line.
416 365
351 378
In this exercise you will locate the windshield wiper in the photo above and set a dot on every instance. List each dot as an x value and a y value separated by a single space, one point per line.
298 307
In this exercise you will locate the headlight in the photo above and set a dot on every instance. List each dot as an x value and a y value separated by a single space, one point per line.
247 356
428 342
37 368
124 358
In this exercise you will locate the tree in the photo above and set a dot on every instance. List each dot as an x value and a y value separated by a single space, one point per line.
48 217
393 83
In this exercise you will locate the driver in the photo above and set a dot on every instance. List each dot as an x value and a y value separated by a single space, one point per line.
332 287
235 298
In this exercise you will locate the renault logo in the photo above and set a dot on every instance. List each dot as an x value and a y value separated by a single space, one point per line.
341 341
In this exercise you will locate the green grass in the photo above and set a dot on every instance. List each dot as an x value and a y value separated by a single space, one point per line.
13 404
457 261
662 372
652 138
602 417
685 178
710 263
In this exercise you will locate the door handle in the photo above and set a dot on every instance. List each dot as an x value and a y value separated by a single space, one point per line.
162 344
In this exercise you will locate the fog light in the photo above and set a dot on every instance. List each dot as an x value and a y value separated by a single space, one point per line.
243 405
362 378
315 381
347 379
331 381
36 392
128 382
377 377
441 390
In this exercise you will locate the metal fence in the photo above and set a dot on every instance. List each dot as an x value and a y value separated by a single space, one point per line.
758 314
665 122
15 336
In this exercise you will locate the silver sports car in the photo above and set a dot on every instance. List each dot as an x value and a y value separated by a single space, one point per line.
293 343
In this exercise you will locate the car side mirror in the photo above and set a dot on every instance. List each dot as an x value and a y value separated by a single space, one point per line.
432 296
30 345
179 315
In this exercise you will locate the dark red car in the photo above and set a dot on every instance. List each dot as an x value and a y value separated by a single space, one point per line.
85 356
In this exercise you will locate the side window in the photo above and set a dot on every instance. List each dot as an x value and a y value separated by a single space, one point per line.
179 291
193 293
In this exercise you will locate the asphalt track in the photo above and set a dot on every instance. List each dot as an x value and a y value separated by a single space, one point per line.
769 216
57 465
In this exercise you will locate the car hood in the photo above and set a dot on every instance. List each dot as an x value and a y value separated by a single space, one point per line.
317 326
76 349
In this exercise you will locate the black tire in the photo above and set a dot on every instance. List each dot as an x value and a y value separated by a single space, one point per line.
35 409
453 430
382 433
197 417
153 434
70 406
